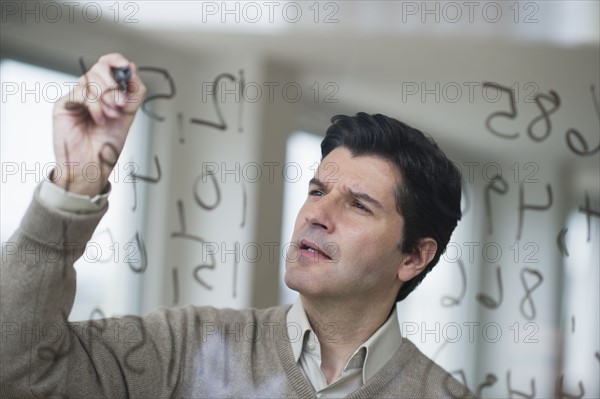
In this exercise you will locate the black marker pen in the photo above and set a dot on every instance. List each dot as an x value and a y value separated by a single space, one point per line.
122 76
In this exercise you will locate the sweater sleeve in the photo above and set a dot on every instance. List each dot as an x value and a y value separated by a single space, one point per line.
43 355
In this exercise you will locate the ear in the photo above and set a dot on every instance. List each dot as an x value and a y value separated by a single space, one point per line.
415 262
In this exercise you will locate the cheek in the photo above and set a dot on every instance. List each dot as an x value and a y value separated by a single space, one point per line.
359 242
377 242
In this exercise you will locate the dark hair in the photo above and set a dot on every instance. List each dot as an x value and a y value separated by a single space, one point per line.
428 195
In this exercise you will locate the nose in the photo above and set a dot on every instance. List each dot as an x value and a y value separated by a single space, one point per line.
320 213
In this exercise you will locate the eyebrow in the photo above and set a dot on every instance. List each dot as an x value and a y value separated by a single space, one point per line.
361 196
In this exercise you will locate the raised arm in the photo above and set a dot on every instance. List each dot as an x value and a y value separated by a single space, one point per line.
41 354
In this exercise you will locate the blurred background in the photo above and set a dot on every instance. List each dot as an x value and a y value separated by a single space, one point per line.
217 164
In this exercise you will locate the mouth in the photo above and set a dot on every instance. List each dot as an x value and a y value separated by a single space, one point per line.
312 250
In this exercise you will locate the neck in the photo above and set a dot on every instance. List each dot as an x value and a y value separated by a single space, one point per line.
341 329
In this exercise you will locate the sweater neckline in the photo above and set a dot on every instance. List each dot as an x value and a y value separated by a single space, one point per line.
284 349
303 388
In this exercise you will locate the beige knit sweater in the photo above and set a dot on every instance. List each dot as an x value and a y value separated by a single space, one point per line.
190 352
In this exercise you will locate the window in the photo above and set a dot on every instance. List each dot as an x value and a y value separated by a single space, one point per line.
106 282
304 150
580 317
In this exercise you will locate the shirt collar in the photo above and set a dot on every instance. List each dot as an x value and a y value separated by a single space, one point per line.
381 346
378 349
297 326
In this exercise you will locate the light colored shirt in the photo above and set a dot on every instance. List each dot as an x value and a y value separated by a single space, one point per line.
365 362
55 197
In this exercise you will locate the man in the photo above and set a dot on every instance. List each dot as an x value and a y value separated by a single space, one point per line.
380 211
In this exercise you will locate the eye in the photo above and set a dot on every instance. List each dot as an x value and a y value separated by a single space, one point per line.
361 207
315 193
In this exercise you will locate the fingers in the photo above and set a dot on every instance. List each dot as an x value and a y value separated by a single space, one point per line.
131 100
136 90
94 92
101 94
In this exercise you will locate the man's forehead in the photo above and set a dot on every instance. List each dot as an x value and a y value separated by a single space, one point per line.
365 173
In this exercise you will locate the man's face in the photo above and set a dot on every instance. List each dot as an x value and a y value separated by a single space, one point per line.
346 236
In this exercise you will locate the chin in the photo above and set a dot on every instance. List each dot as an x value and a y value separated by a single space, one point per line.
296 281
304 284
288 280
